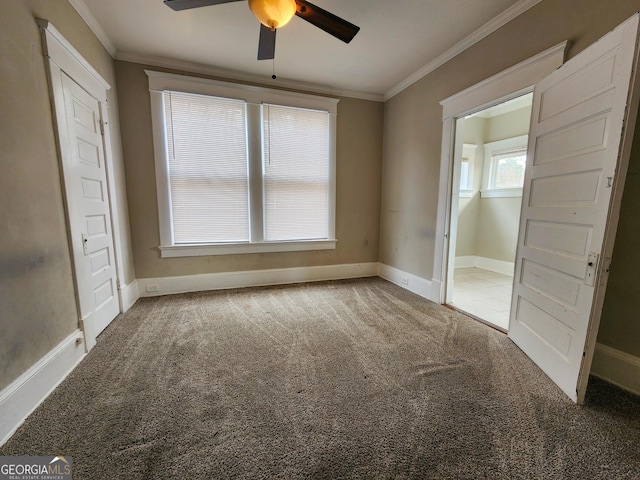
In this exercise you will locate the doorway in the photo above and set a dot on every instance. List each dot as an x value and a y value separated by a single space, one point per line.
582 125
80 108
489 166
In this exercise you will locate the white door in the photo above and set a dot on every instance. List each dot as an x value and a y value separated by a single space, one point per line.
575 174
86 192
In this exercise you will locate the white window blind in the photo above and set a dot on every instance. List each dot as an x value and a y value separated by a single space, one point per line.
296 173
207 167
242 169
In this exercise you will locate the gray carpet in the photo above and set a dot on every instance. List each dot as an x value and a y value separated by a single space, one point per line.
349 379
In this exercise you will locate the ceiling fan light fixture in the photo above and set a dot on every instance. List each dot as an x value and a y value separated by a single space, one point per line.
273 13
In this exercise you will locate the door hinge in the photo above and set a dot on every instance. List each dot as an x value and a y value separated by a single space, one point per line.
102 124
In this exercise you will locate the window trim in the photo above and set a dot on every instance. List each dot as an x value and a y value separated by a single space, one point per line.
488 175
254 97
470 150
197 250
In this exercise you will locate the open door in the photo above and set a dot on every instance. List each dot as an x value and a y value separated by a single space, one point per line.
577 159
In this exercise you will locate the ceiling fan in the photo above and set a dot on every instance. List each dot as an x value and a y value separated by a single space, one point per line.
274 14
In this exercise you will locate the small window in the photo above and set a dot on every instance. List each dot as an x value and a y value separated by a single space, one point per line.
505 166
467 168
507 169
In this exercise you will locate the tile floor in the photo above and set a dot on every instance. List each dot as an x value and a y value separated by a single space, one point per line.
484 294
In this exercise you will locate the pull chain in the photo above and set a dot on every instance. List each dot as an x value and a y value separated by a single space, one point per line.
273 70
269 134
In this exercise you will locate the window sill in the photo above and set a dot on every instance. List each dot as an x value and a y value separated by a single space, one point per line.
467 193
170 251
501 192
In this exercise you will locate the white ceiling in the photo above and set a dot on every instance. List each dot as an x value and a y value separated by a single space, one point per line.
399 40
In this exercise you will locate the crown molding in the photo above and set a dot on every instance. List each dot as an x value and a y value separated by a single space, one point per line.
102 36
191 67
483 32
93 24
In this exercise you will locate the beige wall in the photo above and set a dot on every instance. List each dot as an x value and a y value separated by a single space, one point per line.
467 233
359 158
508 125
413 134
37 301
620 324
498 222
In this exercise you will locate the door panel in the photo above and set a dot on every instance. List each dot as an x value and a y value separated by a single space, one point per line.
578 120
572 141
99 261
544 327
565 190
552 236
559 287
565 94
89 211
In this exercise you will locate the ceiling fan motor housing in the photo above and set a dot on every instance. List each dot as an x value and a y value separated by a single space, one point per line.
273 13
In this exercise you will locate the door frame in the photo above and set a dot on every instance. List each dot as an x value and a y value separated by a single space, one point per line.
506 85
61 56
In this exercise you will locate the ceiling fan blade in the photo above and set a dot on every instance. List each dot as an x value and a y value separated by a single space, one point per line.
267 44
326 21
186 4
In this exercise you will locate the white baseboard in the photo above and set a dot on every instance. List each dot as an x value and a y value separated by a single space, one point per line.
23 395
617 367
149 287
491 264
128 296
467 261
429 289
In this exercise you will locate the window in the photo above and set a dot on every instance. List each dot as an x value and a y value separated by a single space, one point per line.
467 166
296 172
242 169
207 163
507 169
504 169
